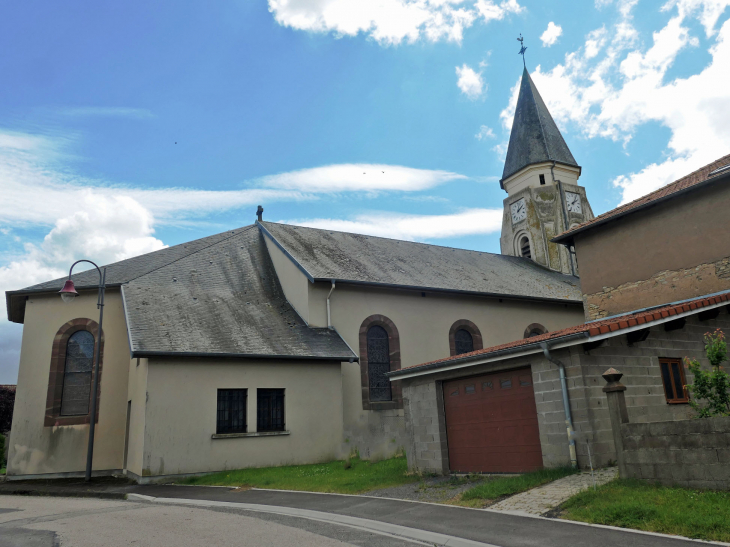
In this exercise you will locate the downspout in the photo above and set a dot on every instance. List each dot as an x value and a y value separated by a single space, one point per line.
566 404
565 214
329 315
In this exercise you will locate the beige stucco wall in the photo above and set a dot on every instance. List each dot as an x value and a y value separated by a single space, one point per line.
35 449
181 415
137 394
530 176
294 283
423 325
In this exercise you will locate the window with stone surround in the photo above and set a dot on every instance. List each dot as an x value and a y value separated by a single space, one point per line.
464 336
379 354
70 377
673 380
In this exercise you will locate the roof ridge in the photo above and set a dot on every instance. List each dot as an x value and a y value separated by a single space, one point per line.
533 89
396 239
241 230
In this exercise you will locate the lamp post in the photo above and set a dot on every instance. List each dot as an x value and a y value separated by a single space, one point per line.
68 294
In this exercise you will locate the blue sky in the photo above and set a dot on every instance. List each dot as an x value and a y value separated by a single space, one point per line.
128 126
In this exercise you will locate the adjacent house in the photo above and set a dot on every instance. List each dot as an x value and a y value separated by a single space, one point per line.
655 278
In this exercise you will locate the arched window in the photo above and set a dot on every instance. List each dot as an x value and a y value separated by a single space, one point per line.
378 364
77 374
464 336
463 342
525 247
70 375
379 354
534 329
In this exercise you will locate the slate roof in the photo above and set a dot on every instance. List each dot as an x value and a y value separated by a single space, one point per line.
535 138
585 331
218 296
710 173
326 254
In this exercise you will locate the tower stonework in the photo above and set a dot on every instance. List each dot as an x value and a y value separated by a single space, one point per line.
541 179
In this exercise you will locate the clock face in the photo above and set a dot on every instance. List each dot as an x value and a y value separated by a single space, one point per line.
518 210
572 201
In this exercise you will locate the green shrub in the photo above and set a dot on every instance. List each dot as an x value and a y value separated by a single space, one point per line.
709 395
2 451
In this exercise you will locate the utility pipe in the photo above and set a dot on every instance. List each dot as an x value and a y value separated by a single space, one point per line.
329 315
566 404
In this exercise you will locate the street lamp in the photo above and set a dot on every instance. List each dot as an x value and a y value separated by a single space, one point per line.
68 294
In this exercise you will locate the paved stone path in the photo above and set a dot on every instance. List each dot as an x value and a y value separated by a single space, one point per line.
540 500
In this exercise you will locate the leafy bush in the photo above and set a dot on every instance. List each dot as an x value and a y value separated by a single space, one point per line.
2 451
7 401
709 395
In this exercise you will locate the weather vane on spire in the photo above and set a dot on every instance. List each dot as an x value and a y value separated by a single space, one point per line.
522 49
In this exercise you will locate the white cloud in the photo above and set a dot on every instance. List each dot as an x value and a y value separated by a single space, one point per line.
414 227
359 177
551 34
485 132
390 21
610 87
470 82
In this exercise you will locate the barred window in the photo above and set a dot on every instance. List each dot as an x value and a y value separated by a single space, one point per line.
231 416
379 364
77 374
270 410
673 380
463 342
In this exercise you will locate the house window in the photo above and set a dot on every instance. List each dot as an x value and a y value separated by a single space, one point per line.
379 345
542 179
463 342
464 337
525 247
270 410
673 380
231 416
378 364
77 374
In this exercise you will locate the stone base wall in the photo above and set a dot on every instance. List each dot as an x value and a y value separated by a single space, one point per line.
680 284
689 453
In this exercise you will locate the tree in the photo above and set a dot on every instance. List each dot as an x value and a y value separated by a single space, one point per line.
709 395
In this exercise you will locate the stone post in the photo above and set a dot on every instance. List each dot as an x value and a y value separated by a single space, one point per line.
614 391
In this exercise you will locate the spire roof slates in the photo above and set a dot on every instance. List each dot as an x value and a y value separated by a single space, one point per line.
535 137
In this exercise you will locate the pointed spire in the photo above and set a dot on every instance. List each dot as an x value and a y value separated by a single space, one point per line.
535 138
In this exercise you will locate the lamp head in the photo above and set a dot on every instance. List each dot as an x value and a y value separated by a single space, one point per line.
68 293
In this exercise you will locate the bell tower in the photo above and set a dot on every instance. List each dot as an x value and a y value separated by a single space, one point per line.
541 180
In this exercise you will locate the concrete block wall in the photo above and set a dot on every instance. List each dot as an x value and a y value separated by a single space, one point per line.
427 449
689 453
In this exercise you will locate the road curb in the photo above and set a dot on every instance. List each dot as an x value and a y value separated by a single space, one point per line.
62 494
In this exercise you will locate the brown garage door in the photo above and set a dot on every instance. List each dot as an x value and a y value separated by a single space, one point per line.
491 423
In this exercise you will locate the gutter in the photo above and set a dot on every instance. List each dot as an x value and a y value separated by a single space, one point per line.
567 239
566 404
144 353
473 360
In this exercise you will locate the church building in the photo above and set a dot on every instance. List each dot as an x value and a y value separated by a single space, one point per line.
275 344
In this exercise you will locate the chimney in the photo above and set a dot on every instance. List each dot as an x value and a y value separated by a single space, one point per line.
260 213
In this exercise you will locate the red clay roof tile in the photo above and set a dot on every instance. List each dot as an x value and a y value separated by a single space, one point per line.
594 328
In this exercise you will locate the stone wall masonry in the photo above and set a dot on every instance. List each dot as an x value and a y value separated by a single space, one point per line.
689 453
680 284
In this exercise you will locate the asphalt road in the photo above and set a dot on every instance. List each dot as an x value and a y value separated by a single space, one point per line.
34 521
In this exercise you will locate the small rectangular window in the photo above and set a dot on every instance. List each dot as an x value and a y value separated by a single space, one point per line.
542 179
673 380
270 410
525 380
231 417
469 389
505 383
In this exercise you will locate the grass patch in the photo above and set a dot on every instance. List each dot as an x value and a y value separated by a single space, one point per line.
500 487
353 476
697 514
